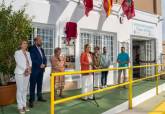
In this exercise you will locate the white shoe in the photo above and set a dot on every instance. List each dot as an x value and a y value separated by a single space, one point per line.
26 109
84 98
21 111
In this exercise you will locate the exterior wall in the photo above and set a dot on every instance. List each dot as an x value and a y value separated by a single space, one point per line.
159 7
163 56
163 15
150 6
145 5
163 47
57 13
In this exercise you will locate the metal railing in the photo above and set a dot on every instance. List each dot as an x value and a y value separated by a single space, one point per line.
129 83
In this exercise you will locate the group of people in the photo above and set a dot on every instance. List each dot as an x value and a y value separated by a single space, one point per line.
95 60
30 66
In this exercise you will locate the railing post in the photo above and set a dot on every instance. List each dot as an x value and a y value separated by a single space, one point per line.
157 80
130 92
52 108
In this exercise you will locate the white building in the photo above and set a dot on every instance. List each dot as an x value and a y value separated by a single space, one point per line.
163 14
142 34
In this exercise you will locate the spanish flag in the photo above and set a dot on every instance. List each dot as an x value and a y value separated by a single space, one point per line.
108 6
88 4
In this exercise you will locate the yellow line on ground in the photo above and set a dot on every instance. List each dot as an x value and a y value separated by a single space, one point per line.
160 109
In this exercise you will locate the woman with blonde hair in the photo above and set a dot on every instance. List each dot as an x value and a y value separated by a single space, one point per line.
58 65
87 64
22 74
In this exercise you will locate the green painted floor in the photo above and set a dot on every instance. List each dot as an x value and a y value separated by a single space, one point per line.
105 100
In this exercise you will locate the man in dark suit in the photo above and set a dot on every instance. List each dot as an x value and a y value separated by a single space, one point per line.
38 67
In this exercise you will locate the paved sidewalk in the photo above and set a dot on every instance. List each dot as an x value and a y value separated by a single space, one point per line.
147 106
160 109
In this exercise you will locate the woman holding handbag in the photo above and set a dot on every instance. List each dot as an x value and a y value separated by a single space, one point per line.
22 74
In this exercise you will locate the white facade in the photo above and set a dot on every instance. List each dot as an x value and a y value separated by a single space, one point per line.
56 13
163 14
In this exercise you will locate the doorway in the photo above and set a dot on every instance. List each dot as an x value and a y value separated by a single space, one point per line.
143 53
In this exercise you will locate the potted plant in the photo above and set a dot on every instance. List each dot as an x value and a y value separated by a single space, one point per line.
14 26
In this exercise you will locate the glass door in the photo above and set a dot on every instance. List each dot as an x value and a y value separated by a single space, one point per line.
147 57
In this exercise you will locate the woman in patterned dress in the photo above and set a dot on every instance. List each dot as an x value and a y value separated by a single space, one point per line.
58 65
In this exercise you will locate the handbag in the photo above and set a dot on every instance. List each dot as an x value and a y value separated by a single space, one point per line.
27 72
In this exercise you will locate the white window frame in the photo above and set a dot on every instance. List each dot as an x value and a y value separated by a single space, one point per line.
35 26
90 36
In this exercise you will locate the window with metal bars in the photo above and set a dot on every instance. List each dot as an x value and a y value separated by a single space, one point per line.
101 40
47 34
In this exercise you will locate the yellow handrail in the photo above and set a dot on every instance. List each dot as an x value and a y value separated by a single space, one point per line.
130 88
52 108
130 83
86 71
157 79
89 93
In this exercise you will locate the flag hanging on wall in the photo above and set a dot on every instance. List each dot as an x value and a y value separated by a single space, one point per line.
108 6
71 31
128 8
88 4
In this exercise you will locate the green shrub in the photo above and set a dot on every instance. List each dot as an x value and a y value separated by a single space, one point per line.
14 26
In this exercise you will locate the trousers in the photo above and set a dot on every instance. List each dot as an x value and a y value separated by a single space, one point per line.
104 78
22 88
87 85
36 79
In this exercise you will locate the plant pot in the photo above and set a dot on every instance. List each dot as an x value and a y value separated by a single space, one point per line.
8 94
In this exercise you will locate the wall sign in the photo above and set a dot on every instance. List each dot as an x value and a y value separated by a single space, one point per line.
143 30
